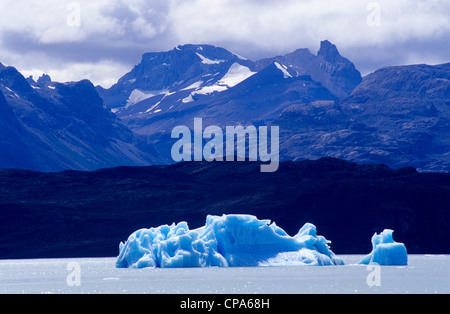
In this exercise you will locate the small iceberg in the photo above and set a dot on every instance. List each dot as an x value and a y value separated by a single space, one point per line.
227 241
386 252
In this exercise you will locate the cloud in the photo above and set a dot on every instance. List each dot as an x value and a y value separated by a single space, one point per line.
286 24
104 73
49 21
59 34
66 36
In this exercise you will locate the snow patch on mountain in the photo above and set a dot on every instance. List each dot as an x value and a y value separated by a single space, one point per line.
138 95
194 85
208 61
188 99
240 57
210 89
283 69
235 75
166 94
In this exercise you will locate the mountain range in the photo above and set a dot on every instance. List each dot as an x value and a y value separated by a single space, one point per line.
172 88
398 116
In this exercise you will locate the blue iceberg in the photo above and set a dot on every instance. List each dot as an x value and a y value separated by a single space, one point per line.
227 241
386 251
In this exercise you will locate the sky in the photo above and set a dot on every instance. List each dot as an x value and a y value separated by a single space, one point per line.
101 40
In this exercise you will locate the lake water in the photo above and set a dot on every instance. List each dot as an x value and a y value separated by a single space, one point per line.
424 274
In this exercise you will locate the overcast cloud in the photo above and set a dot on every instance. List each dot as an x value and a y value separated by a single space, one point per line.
103 39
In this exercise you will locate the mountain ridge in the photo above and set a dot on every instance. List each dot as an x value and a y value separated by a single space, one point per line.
87 214
57 126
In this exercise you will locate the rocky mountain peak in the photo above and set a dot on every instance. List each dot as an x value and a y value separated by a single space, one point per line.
329 51
45 78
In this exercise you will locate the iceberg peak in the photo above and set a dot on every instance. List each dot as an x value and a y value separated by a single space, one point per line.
386 251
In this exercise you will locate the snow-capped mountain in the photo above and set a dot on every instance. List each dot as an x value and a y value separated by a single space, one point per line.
49 126
205 69
183 68
168 89
398 115
213 83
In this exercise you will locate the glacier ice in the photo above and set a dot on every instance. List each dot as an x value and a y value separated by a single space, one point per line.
386 251
226 241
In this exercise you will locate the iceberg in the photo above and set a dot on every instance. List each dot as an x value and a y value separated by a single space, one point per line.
226 241
386 252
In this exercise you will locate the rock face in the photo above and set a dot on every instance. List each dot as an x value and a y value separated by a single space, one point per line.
410 107
333 71
87 214
49 126
399 116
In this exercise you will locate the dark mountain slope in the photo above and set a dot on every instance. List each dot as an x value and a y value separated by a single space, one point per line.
399 116
80 214
49 126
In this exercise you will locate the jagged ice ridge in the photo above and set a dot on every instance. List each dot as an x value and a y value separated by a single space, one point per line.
227 241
